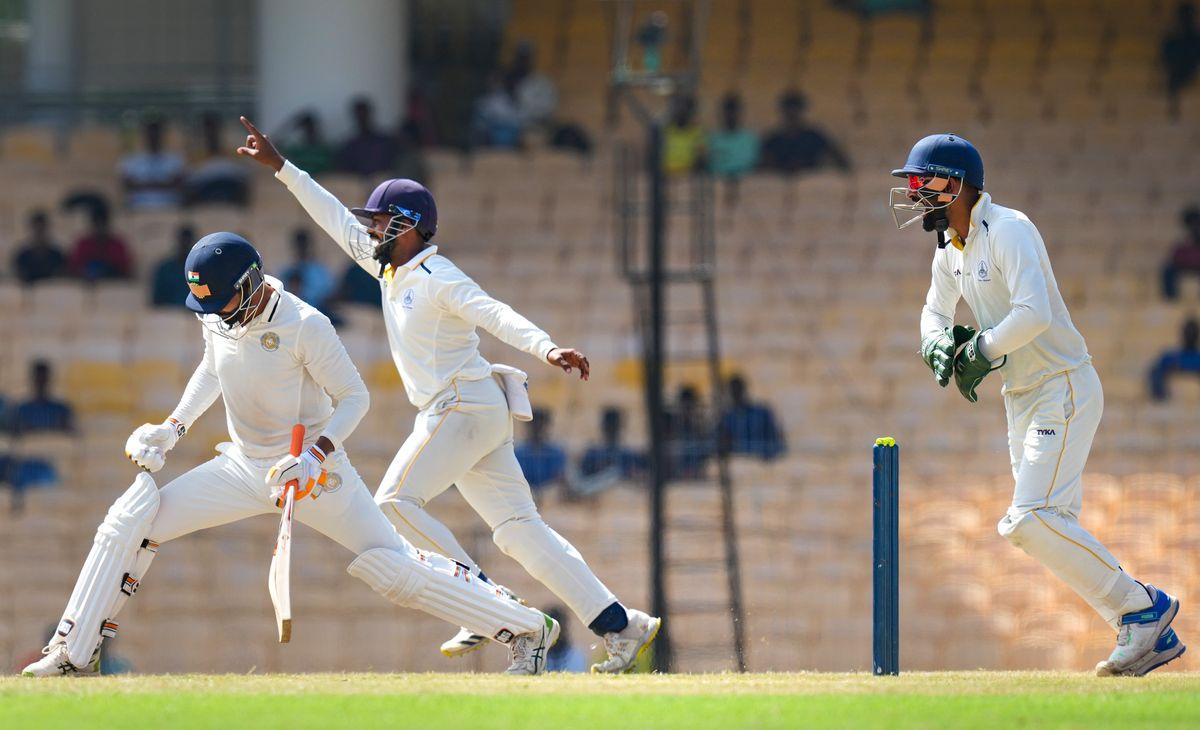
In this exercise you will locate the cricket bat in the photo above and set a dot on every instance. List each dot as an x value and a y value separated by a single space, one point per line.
279 577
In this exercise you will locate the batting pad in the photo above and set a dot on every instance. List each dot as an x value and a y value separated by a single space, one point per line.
556 564
106 580
443 588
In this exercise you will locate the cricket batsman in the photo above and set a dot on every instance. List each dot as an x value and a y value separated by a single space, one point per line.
995 258
463 433
277 362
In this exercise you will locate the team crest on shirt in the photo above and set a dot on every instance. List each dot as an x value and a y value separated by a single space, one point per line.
270 341
410 296
333 482
981 271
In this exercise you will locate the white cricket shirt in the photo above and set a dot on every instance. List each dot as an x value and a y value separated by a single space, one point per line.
430 307
290 367
1003 271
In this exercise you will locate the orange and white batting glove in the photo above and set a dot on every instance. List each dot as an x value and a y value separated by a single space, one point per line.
307 469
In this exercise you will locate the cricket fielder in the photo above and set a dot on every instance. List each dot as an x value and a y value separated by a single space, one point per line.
276 361
463 433
994 257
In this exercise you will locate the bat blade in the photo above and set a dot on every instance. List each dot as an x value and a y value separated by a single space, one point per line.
279 577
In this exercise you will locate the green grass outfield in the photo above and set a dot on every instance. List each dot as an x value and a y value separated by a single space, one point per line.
560 702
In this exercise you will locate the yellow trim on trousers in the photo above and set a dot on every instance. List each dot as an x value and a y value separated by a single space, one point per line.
1081 545
1063 450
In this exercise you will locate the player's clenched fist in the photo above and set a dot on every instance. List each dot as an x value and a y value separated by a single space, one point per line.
307 469
148 445
259 147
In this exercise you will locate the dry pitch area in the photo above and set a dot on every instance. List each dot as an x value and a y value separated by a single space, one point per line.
558 702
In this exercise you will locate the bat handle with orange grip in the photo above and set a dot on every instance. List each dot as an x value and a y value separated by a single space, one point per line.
296 447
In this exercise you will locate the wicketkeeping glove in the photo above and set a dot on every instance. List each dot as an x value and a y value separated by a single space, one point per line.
971 367
938 350
308 469
148 445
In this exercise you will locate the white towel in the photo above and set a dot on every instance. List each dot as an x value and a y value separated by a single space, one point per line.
515 384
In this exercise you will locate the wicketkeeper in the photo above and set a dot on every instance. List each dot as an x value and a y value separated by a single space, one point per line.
994 257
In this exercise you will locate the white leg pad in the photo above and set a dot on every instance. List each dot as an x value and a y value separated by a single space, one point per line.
1058 541
108 579
555 563
445 589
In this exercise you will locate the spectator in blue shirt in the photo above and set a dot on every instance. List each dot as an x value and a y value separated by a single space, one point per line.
42 413
1183 360
542 461
316 282
610 455
749 428
732 149
169 287
358 286
40 257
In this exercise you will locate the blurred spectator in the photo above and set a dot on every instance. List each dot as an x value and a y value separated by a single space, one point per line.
368 151
534 93
749 428
418 122
496 121
610 456
1185 257
564 656
358 286
314 280
1181 53
732 149
152 178
683 140
39 257
217 178
41 413
652 36
795 146
1184 360
542 461
100 254
169 286
687 436
309 151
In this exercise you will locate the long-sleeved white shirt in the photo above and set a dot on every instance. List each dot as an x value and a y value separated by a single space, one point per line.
1003 271
430 307
290 367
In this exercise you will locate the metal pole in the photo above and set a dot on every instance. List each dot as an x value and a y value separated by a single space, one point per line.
654 394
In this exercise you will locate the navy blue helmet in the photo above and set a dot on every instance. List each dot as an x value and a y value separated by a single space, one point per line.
933 162
944 155
220 267
410 205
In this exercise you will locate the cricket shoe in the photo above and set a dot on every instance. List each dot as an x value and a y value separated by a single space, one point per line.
1139 632
529 650
626 645
1168 648
467 641
56 663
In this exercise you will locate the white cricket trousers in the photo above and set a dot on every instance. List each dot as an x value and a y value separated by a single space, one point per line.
464 437
1050 432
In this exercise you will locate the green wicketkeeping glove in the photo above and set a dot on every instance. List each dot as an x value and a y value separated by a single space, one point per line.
938 350
971 367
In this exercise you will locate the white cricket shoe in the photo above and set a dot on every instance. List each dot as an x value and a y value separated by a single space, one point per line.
626 645
1168 648
529 650
467 641
55 663
1139 634
464 642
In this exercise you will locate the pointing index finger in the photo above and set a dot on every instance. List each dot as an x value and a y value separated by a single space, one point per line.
250 127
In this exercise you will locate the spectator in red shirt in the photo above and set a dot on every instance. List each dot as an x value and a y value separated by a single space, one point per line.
1185 257
101 254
